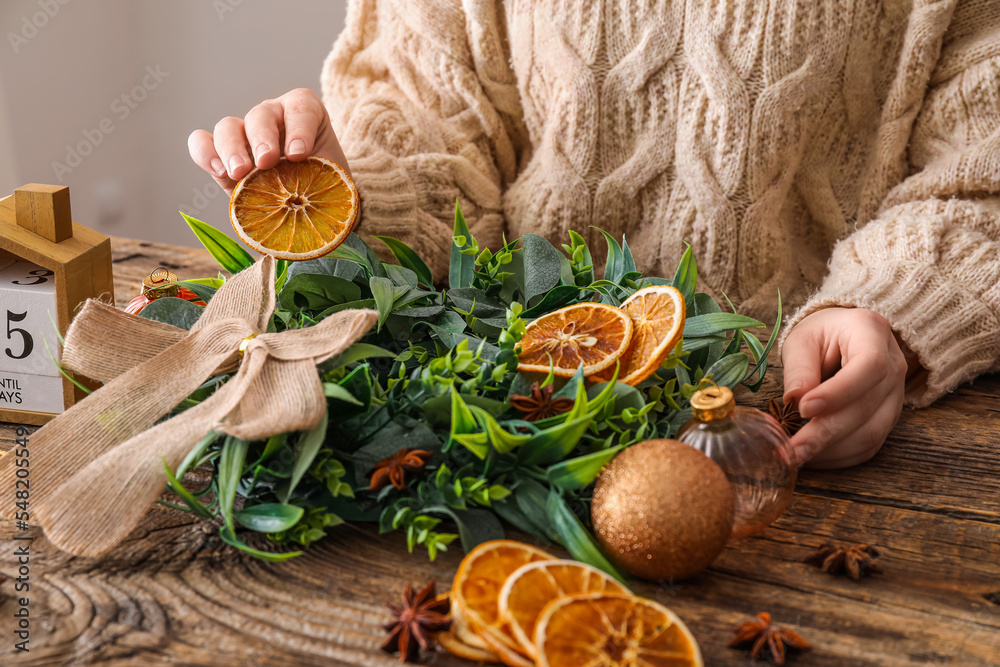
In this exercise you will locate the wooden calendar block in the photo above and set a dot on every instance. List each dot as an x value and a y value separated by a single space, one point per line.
28 320
33 393
36 227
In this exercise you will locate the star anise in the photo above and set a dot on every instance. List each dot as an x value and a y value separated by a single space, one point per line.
420 615
787 415
766 640
857 560
394 468
540 404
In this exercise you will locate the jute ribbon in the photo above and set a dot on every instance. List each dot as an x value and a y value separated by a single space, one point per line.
96 469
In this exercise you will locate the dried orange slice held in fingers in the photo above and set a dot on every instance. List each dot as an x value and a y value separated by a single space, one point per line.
612 630
594 334
476 590
534 585
657 315
295 210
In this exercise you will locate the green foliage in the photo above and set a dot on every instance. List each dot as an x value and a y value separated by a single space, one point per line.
435 375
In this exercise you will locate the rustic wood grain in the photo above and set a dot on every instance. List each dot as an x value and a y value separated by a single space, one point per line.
173 594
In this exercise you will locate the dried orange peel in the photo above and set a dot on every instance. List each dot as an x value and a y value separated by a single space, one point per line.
613 629
476 590
295 210
530 608
657 313
592 334
532 586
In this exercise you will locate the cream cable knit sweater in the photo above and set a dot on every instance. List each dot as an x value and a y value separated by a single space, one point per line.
847 145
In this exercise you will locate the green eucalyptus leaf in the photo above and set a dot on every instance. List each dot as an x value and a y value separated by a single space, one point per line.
704 304
557 297
269 517
313 291
476 302
401 276
384 293
730 370
228 253
174 311
325 266
541 266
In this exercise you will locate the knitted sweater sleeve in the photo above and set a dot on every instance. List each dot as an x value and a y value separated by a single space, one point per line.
421 98
929 260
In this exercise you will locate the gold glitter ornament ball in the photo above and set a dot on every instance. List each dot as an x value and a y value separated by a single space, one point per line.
662 510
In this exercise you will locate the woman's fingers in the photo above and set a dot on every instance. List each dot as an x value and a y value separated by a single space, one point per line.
295 125
822 432
304 116
862 444
869 356
262 127
802 362
231 145
201 146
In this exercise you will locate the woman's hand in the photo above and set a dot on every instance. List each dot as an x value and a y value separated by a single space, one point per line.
295 125
848 372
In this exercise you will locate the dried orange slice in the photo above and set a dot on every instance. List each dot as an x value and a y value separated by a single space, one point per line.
534 585
476 591
612 630
295 210
463 631
657 314
594 334
456 646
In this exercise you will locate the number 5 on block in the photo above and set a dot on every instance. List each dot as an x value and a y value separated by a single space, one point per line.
29 377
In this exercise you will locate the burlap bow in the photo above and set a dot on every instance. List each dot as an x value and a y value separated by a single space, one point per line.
97 468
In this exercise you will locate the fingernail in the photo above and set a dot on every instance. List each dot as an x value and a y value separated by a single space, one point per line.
235 163
262 149
297 147
814 407
218 167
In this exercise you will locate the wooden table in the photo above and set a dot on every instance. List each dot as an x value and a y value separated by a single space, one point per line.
172 594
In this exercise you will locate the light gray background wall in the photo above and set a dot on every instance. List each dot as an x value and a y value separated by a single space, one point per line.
65 65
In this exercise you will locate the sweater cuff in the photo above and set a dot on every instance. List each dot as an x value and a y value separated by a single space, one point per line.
953 332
